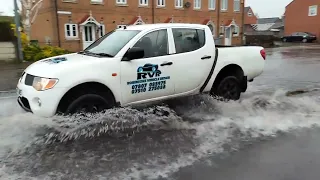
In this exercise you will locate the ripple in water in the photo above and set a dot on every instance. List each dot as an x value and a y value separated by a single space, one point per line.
148 143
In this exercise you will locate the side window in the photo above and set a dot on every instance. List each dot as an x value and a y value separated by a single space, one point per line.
154 44
187 40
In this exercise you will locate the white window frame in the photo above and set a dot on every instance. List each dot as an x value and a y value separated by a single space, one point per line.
224 5
143 2
250 13
197 4
96 1
103 28
121 1
71 36
314 12
69 1
161 3
211 4
237 29
236 2
178 3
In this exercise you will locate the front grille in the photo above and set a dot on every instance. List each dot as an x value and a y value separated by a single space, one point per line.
29 80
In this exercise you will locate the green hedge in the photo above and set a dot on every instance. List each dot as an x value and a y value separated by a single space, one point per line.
34 52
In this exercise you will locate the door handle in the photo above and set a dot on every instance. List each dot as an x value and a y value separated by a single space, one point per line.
166 64
206 57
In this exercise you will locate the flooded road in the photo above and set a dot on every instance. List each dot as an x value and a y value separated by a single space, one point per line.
266 135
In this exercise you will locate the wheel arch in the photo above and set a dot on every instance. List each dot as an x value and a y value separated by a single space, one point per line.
84 86
229 70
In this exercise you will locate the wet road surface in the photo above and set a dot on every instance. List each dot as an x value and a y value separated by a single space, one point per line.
199 138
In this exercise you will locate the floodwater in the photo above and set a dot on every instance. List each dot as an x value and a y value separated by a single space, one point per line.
190 138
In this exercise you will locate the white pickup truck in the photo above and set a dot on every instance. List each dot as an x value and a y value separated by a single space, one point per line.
139 64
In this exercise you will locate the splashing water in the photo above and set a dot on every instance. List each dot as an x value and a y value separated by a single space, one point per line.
165 139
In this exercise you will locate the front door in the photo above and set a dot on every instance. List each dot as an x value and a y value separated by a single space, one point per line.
150 76
88 35
228 37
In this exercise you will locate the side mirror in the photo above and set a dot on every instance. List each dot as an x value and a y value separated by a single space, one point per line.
133 53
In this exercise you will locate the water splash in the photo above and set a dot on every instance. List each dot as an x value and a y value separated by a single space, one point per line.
162 144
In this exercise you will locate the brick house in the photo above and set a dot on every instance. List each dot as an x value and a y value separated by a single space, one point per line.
302 16
74 24
249 19
249 16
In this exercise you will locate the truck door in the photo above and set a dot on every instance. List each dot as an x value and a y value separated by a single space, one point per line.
150 76
193 58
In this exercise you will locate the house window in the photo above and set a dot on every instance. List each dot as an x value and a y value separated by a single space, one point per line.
121 1
313 10
197 4
249 13
71 30
179 3
102 30
97 1
161 2
236 30
143 2
224 5
212 4
236 5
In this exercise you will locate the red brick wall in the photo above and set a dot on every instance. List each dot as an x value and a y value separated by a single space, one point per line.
112 15
297 19
250 19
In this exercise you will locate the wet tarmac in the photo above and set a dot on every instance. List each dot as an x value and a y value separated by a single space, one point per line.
266 135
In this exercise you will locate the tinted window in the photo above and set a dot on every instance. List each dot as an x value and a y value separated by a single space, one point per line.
187 40
112 42
154 44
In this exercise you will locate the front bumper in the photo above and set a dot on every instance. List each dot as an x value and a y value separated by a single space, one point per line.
41 103
24 103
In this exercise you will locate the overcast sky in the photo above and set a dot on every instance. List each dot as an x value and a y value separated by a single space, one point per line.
265 8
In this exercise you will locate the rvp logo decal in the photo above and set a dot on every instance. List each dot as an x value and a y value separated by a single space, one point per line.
148 70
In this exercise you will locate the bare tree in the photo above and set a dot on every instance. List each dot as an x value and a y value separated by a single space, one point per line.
257 15
29 13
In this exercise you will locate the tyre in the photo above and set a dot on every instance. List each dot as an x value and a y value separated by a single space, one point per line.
89 102
304 40
284 40
229 88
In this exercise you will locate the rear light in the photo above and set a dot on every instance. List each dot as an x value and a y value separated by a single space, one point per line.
263 54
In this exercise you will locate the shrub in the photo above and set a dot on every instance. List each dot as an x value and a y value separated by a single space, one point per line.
24 37
34 52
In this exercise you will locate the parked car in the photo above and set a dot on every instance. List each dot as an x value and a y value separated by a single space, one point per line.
139 64
299 37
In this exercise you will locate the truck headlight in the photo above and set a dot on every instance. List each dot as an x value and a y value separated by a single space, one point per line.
41 84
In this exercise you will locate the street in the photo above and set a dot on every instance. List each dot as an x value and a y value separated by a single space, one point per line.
267 135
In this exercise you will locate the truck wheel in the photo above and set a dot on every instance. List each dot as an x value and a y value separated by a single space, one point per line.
89 103
229 88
